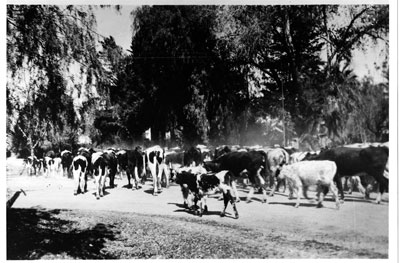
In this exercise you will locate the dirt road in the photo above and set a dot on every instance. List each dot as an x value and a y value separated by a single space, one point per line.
359 224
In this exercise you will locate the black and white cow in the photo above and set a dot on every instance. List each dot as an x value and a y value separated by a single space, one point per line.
254 163
174 161
187 178
100 172
79 169
195 181
359 161
122 161
136 167
155 159
32 165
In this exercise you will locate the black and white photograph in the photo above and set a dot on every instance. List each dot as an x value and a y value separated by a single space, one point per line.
212 131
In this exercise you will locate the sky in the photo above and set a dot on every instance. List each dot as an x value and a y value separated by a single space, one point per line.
111 22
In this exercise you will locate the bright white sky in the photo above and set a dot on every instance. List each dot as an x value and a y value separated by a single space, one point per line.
118 24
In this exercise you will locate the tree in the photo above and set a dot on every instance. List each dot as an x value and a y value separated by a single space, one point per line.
47 47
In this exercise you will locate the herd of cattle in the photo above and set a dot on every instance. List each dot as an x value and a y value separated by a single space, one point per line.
201 170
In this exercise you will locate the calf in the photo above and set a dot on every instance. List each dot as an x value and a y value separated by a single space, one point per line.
359 161
308 173
195 181
223 180
187 178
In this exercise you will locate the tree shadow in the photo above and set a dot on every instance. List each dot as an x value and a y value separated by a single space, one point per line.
35 233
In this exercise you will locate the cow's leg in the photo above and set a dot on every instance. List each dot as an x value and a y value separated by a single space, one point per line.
97 185
167 174
226 201
250 194
296 191
82 181
159 177
203 204
234 204
103 181
128 176
272 183
155 181
338 185
76 175
111 176
334 191
383 183
235 191
136 178
305 189
319 196
185 194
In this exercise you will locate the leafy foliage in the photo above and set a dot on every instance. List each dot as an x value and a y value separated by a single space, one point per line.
206 74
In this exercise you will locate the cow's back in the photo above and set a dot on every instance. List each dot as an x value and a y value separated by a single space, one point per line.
351 161
312 172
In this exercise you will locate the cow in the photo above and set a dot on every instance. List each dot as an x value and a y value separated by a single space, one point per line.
206 152
301 175
122 162
66 162
192 157
195 181
221 150
135 166
49 166
111 161
223 180
79 169
187 178
87 153
32 165
100 172
358 161
276 157
155 159
174 161
253 163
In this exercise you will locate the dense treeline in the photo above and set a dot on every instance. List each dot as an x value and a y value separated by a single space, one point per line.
202 74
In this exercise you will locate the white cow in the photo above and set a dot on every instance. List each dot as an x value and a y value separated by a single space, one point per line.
308 173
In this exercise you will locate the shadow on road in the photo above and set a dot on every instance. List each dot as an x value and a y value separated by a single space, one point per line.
35 233
193 211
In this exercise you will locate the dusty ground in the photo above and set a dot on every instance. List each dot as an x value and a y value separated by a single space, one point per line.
50 222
